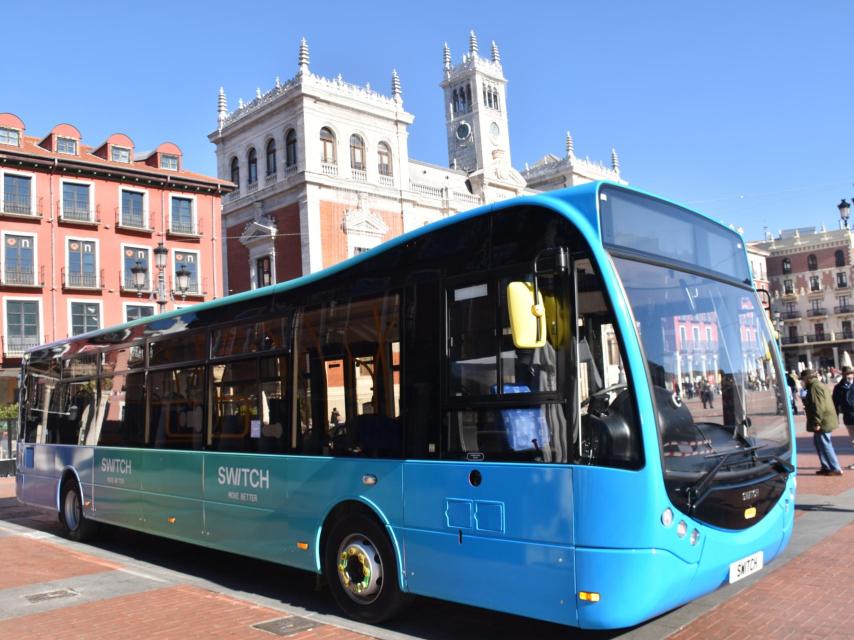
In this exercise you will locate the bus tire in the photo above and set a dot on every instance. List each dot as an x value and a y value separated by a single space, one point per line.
75 525
361 569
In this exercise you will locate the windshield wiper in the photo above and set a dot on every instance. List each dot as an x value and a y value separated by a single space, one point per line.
784 467
697 492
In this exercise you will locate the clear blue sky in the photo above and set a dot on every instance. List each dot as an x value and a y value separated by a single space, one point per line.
741 109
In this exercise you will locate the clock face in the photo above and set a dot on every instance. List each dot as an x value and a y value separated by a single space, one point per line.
494 130
463 131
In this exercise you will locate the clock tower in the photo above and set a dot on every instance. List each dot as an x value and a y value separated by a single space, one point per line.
476 111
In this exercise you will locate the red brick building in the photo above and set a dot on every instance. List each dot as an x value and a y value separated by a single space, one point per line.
81 228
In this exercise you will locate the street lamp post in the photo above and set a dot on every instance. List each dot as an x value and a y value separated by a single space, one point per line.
844 211
160 253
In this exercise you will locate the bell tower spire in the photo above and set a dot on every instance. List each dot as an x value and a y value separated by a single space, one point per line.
476 112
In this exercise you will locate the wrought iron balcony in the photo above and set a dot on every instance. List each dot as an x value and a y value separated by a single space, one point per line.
845 334
843 308
183 227
17 205
22 276
132 220
816 312
82 280
819 337
790 315
18 345
785 340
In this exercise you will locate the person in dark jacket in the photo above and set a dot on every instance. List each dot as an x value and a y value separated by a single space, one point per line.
821 421
843 399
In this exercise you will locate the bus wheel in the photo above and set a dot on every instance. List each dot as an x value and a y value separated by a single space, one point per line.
74 523
361 570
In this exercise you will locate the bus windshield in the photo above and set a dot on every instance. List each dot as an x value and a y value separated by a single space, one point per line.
709 352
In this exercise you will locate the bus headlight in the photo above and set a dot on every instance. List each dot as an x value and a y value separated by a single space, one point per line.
681 529
695 536
667 517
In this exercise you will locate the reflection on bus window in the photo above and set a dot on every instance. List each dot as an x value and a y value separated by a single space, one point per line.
348 385
609 428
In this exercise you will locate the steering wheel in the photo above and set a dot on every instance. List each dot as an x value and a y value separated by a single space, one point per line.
601 392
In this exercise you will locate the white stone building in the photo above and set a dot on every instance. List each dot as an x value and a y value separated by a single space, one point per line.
323 168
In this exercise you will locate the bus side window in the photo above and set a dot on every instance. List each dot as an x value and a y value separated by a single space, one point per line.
121 413
348 379
609 426
177 400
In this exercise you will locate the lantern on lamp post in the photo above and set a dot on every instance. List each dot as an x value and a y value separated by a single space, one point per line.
182 280
844 211
139 273
160 254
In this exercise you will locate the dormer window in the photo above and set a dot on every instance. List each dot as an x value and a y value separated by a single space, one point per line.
119 154
10 136
168 161
66 145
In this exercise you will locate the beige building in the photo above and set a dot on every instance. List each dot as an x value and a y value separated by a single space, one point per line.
809 273
324 171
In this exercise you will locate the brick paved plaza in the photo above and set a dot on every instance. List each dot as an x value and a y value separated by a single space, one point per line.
134 586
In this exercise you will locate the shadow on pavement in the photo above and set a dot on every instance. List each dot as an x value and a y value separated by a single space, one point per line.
426 618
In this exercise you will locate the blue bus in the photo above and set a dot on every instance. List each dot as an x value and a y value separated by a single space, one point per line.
567 406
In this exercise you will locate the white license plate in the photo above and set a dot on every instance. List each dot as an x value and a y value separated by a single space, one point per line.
745 567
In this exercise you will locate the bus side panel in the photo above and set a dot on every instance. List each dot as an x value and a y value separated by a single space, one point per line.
172 486
316 485
503 543
80 459
39 478
245 508
116 497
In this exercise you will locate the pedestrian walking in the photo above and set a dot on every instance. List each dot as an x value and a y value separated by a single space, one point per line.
792 381
821 421
843 400
707 396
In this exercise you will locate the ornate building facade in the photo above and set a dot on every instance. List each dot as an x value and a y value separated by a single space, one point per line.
809 276
323 167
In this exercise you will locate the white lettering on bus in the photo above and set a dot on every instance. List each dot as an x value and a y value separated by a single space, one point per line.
115 465
244 477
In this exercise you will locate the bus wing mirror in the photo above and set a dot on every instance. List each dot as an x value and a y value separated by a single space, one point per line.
73 413
527 316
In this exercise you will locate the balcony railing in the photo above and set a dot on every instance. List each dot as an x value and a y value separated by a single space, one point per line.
791 340
134 220
252 186
270 178
17 205
329 169
291 170
844 308
82 280
845 334
816 311
76 211
819 337
359 175
184 227
192 289
386 181
789 292
790 315
128 284
230 197
842 285
22 277
18 345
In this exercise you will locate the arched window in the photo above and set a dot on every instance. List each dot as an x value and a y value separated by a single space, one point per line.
787 265
327 146
357 152
252 158
840 258
291 148
271 158
384 159
235 171
812 263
